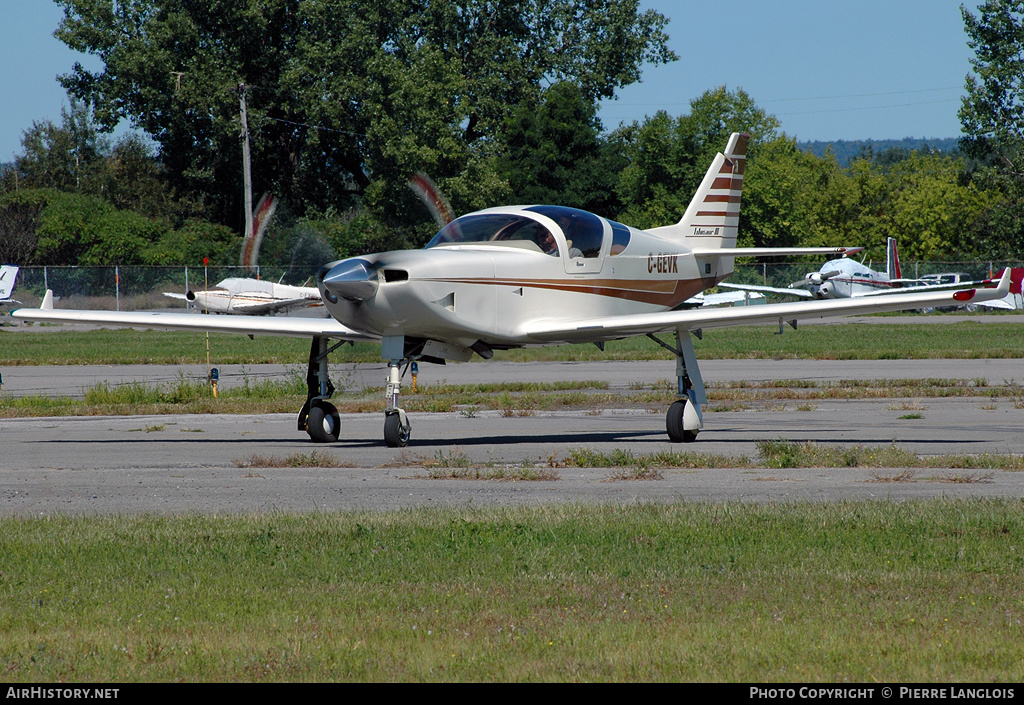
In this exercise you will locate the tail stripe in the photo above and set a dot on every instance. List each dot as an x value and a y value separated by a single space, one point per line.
712 217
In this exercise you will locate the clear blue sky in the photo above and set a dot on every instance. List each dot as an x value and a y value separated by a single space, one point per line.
828 69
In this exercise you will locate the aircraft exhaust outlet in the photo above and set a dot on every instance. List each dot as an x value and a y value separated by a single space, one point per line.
352 279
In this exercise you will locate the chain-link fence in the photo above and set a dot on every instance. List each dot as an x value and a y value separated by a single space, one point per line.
142 288
129 288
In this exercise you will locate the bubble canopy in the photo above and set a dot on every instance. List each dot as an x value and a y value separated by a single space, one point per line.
584 232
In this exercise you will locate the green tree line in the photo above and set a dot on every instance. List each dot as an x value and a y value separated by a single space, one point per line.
496 101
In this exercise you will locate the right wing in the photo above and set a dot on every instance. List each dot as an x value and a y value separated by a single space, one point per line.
587 330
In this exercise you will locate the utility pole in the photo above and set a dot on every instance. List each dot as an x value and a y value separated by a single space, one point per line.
246 165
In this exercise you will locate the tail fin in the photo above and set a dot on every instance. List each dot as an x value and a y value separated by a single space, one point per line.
892 260
8 273
712 218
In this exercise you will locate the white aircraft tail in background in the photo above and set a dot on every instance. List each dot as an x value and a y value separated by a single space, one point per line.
8 273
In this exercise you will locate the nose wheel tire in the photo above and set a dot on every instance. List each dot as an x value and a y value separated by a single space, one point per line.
395 434
323 423
674 424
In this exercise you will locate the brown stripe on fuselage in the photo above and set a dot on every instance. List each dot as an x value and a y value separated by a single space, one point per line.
660 292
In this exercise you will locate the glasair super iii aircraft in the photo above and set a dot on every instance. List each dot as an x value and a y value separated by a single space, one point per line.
532 276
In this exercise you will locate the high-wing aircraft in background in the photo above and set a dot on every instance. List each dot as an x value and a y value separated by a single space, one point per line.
531 276
254 297
8 273
845 278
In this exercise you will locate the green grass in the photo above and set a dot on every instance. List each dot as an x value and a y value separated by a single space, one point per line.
882 341
867 591
790 454
512 400
126 347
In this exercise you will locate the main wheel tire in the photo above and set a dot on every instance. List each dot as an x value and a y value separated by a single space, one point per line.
323 423
674 424
395 435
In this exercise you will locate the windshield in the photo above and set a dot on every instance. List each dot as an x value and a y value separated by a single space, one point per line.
497 228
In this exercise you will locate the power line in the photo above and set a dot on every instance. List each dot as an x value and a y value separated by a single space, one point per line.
871 107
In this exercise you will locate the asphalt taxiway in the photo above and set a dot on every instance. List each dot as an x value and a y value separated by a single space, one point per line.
197 463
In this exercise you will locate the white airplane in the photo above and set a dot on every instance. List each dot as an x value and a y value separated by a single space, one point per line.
845 278
533 276
253 296
8 273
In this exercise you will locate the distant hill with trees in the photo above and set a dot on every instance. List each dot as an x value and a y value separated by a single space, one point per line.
848 150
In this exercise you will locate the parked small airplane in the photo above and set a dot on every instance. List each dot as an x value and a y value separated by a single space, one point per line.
845 278
8 273
528 276
253 296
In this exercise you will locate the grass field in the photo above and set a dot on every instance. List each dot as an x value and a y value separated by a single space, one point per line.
833 342
921 592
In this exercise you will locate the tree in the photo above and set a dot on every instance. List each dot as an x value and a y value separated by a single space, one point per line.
992 113
62 156
555 153
667 157
992 116
778 195
20 212
345 98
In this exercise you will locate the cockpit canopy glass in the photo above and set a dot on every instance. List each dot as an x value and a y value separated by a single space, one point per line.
584 232
497 228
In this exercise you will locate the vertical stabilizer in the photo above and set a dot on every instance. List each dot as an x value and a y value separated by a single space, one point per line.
892 260
712 218
8 273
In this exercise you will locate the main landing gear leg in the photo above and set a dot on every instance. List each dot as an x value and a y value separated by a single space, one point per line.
684 419
318 417
397 427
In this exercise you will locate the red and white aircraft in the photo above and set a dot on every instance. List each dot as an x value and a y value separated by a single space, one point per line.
533 276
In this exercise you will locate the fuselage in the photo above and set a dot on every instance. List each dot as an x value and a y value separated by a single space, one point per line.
849 279
237 295
488 275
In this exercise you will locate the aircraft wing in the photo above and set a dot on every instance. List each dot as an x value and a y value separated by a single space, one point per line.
246 325
724 298
800 293
1008 304
920 285
613 327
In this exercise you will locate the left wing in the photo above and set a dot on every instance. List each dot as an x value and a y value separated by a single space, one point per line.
612 327
725 298
246 325
800 293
